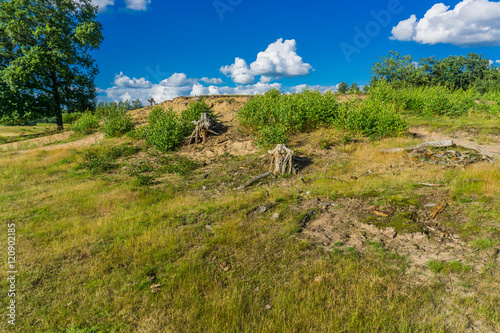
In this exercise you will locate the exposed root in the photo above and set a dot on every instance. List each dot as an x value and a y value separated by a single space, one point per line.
282 160
203 127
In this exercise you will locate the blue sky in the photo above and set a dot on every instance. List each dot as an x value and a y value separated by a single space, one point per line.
164 49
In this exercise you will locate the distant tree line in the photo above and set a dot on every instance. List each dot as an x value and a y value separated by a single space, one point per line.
455 72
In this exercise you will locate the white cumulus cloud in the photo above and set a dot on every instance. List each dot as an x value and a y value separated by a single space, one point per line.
211 81
137 4
177 80
124 81
279 60
103 4
470 23
239 72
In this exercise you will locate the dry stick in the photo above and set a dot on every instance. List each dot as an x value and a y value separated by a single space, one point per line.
255 179
488 156
446 143
326 168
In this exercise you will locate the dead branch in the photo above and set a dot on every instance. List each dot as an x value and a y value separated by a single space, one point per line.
255 179
487 156
445 143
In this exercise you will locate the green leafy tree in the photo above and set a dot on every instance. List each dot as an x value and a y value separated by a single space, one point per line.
456 71
342 88
399 70
354 89
45 62
136 104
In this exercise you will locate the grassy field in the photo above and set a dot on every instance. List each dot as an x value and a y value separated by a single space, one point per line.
120 238
17 133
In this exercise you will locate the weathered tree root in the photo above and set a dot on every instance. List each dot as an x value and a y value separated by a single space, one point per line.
203 127
282 160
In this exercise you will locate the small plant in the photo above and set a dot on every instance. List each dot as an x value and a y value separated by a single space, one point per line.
87 124
447 267
166 129
70 118
96 163
177 164
117 123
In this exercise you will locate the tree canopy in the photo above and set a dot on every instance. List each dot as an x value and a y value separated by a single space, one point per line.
45 61
453 71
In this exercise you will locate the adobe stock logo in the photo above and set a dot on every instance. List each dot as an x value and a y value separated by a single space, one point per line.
372 29
223 6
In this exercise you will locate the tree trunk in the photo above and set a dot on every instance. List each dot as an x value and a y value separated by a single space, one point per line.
57 102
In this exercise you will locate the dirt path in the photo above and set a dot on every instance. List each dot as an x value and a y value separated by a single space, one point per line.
32 144
460 139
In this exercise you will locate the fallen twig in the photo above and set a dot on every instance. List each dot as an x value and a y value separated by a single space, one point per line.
431 185
305 219
255 179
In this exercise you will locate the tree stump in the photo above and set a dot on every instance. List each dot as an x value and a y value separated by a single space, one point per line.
282 160
202 128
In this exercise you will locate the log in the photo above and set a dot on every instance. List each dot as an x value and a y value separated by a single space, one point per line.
445 143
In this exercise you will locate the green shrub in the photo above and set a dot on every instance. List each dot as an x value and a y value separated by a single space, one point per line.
373 118
425 100
3 139
117 123
273 117
166 129
86 124
97 163
69 118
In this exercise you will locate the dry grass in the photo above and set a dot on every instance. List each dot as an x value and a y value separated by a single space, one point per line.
100 253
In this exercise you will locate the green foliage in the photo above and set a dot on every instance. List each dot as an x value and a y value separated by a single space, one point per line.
86 124
273 117
103 109
117 123
354 89
447 267
46 63
102 161
166 129
70 118
424 100
455 72
342 88
97 163
178 164
373 118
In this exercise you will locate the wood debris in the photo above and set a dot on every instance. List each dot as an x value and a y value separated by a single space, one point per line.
440 207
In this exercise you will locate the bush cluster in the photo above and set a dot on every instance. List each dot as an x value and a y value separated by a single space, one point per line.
69 118
86 124
425 100
117 122
372 118
273 117
166 129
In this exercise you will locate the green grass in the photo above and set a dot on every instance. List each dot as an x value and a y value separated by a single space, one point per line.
17 133
109 252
